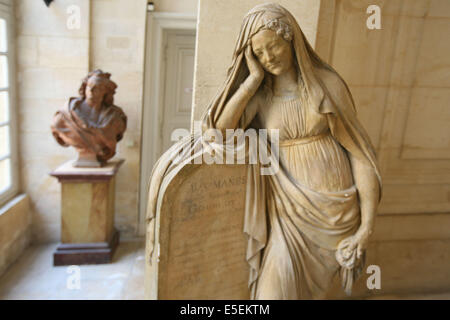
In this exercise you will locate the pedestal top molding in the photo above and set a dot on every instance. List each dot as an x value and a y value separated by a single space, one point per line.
67 172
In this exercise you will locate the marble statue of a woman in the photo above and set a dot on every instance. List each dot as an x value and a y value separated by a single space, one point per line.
312 219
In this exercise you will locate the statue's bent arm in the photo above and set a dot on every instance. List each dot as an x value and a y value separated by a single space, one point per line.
367 184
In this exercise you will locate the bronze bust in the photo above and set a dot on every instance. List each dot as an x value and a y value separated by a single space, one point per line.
91 123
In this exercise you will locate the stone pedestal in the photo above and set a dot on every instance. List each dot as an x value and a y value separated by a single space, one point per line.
88 235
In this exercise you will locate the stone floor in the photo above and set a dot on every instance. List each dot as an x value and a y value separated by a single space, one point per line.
34 277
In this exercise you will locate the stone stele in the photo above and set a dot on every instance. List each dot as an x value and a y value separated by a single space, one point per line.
201 247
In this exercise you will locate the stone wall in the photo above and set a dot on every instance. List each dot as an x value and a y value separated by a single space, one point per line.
15 235
184 6
51 61
396 76
117 45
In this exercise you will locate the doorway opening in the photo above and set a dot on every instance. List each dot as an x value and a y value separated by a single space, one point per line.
168 89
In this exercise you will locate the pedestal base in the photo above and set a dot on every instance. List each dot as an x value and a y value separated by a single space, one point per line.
85 253
88 235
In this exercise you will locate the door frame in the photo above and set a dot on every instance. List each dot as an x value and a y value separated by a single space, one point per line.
158 23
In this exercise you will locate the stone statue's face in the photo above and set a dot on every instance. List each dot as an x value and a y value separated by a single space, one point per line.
95 91
273 52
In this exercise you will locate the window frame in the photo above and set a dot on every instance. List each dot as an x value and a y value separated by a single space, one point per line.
7 13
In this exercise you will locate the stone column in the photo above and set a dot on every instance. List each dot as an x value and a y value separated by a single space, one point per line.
88 235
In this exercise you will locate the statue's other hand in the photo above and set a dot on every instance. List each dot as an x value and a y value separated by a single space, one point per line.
362 239
358 242
255 68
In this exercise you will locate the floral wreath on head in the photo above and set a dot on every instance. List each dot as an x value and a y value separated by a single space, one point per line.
282 28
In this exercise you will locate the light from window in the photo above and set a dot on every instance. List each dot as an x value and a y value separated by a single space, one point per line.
4 106
4 142
3 36
5 174
3 72
5 124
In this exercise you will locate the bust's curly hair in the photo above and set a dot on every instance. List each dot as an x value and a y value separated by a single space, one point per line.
104 76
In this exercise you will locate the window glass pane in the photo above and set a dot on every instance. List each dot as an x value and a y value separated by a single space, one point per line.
5 174
3 71
4 141
3 36
4 110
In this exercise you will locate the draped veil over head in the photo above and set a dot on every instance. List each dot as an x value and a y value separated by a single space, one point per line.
327 94
327 91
